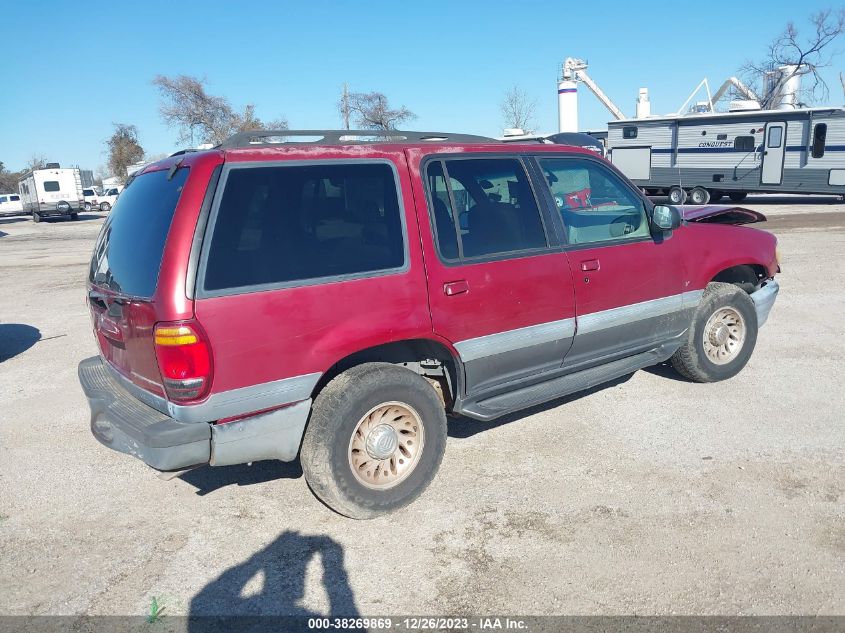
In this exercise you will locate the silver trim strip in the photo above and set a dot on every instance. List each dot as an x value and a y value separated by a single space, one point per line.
502 342
542 333
224 404
624 315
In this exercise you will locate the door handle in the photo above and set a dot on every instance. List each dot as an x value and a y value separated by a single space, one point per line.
590 264
455 288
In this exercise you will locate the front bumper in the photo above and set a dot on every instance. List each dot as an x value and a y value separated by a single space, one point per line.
764 299
124 423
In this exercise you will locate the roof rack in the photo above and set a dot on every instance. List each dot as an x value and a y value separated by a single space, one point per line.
345 137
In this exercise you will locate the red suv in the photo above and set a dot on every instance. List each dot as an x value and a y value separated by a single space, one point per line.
336 299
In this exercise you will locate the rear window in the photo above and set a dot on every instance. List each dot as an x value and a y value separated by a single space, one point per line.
128 253
287 224
51 185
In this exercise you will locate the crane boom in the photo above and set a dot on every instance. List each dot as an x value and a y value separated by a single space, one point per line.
576 70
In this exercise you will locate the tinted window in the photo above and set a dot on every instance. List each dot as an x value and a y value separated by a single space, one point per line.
444 221
775 136
2 199
629 131
286 224
51 185
128 253
14 198
494 204
595 204
819 138
744 143
87 192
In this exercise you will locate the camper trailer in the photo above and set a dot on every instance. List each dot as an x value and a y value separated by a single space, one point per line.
52 191
705 156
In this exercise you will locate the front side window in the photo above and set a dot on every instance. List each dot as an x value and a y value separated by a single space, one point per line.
819 139
596 206
284 224
775 136
494 205
51 185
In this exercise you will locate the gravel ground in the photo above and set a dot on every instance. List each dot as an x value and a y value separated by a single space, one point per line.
651 495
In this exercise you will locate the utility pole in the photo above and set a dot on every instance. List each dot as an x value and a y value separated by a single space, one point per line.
344 106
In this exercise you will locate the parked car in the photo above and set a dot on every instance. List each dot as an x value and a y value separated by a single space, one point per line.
10 204
89 197
107 199
336 300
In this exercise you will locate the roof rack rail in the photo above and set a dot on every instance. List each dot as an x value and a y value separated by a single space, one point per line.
345 137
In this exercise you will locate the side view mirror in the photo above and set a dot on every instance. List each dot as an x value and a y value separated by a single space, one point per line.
665 218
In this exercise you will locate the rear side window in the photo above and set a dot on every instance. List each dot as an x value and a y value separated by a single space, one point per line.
128 253
494 205
51 185
87 192
819 139
287 224
14 198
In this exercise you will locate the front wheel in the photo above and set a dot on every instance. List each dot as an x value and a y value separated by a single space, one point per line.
105 207
374 441
677 195
722 335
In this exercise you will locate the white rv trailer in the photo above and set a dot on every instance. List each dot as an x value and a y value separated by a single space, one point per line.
53 191
708 155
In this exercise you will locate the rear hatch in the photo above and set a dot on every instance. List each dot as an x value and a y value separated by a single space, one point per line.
124 274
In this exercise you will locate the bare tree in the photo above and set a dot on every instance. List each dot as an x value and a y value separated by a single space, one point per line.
124 149
8 180
517 109
806 55
372 111
203 118
36 161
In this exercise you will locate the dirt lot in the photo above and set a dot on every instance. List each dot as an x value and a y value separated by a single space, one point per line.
649 496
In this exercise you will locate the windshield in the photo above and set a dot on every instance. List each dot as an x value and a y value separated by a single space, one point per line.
128 253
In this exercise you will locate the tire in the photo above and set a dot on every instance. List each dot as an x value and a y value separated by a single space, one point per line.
105 207
356 399
677 195
87 206
716 195
737 196
695 359
36 217
699 195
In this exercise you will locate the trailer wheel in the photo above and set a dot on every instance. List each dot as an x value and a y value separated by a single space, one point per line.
36 217
737 196
677 195
716 195
699 195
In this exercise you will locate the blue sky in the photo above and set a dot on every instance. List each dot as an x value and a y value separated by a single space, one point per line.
76 67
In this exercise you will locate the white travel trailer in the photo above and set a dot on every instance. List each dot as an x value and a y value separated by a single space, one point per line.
708 155
53 191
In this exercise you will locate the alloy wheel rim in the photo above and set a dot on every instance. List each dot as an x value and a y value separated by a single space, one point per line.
724 336
386 445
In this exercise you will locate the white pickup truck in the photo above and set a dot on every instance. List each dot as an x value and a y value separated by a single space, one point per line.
10 204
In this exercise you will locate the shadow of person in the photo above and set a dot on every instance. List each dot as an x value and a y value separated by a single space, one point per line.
16 338
264 593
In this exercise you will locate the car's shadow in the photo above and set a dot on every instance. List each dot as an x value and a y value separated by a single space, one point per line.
207 479
16 338
83 217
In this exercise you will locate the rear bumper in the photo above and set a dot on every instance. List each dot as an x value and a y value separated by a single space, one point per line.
124 423
764 299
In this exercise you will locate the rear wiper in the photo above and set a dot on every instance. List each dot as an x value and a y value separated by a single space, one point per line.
174 169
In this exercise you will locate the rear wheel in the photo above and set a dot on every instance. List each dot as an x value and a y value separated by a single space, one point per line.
105 206
36 217
374 441
677 195
737 196
722 335
699 195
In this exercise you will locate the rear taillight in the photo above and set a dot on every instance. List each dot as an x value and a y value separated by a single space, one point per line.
184 358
